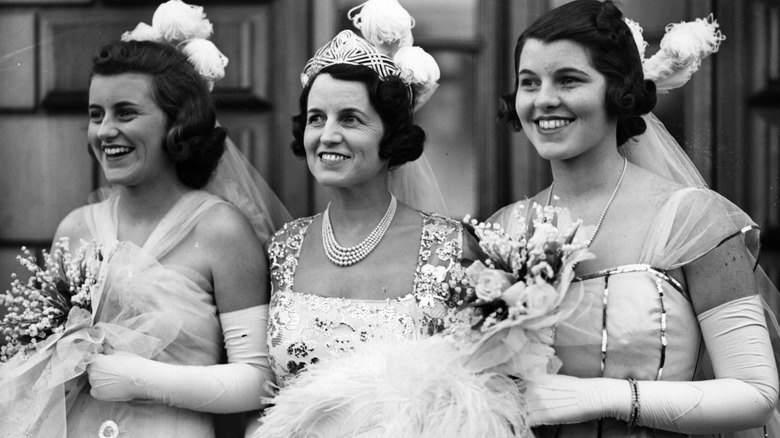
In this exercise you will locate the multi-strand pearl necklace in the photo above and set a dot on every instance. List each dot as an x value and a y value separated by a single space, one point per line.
347 256
606 207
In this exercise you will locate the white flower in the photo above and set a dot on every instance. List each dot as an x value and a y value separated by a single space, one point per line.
488 283
543 233
178 21
513 295
540 299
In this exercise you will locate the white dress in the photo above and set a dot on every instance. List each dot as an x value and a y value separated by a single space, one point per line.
163 312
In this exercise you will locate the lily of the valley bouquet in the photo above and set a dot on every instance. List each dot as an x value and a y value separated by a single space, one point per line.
513 299
54 298
47 329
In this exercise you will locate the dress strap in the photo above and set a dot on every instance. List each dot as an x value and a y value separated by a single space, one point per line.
284 249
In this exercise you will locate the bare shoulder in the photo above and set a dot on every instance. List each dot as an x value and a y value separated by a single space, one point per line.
223 226
74 226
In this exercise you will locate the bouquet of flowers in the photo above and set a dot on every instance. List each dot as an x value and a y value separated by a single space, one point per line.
462 382
41 307
511 301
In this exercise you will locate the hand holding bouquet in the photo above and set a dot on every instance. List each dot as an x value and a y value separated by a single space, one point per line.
511 301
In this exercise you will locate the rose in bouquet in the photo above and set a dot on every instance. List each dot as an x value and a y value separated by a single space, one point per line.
41 306
511 301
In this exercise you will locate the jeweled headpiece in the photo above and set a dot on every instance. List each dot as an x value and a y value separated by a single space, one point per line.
386 48
185 27
348 48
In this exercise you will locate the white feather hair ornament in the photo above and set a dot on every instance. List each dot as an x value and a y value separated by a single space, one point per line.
423 69
386 47
383 23
208 61
636 31
143 32
683 47
185 27
178 21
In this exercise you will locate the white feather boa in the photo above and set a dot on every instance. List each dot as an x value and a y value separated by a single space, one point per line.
416 388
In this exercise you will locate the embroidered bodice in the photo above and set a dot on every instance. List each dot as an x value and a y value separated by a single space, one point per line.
304 328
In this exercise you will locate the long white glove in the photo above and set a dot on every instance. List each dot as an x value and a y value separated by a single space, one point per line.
742 396
233 387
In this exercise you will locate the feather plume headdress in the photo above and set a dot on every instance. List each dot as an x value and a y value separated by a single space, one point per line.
185 27
683 47
386 47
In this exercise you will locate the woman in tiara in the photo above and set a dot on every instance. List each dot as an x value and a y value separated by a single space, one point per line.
673 287
185 271
370 267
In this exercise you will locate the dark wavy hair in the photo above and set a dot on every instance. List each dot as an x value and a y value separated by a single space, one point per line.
193 142
403 140
600 28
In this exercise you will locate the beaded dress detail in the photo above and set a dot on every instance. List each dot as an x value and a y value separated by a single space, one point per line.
305 328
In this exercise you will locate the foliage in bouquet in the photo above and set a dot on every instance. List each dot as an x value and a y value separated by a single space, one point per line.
511 301
39 307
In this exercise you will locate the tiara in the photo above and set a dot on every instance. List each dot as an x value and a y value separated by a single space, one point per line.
348 48
386 48
683 47
185 27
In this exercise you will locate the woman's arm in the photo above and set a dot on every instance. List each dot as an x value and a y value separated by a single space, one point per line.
742 395
240 281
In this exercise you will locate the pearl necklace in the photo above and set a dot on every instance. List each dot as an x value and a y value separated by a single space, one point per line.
347 256
606 207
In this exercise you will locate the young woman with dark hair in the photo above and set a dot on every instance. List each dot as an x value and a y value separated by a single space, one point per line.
672 287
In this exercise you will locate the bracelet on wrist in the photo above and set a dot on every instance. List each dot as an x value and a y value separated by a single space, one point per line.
635 406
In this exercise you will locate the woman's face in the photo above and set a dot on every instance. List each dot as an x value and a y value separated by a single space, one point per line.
342 135
127 129
561 100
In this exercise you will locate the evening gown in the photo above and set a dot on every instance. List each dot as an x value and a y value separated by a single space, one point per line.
157 310
304 328
636 321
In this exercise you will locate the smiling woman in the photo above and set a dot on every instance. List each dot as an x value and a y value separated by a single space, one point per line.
127 130
672 293
183 280
370 268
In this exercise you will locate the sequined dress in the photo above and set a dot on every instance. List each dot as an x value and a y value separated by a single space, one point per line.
636 320
305 328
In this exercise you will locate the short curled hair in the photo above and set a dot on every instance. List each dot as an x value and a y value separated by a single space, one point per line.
193 142
403 140
600 28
